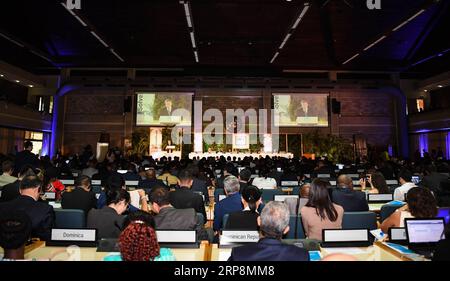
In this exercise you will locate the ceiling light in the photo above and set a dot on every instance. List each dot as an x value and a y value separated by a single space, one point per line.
350 59
274 57
425 90
440 86
374 43
192 39
305 9
1 75
12 40
196 56
114 53
31 86
408 20
17 81
99 39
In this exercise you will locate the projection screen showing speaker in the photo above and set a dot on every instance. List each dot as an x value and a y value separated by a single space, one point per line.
163 109
301 110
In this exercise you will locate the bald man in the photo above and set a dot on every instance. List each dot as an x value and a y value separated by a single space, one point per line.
349 199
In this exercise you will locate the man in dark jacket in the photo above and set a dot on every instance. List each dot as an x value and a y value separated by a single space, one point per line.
26 157
432 179
42 215
81 198
349 199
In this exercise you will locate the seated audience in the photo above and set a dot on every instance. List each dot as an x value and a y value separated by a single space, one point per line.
247 218
91 169
404 178
232 203
377 184
167 217
109 220
42 215
432 179
150 181
263 181
273 223
420 203
81 197
167 178
184 198
320 212
15 231
131 174
138 241
228 170
349 199
51 182
6 177
12 191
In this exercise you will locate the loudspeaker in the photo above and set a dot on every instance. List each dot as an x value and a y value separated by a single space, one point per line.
127 104
335 106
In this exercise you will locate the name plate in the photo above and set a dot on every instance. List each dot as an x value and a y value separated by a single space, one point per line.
289 183
307 120
132 183
74 235
222 196
380 197
237 236
50 195
324 176
345 235
67 182
356 183
397 234
281 198
391 182
96 182
308 175
176 236
333 183
122 171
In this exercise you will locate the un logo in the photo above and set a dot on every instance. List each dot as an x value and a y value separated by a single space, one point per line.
73 4
374 4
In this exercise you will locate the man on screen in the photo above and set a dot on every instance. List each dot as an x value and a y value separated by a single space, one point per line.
310 108
167 109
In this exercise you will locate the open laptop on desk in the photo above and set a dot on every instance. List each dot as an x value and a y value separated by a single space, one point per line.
424 234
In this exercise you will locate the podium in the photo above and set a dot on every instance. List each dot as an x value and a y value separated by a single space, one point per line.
308 120
170 148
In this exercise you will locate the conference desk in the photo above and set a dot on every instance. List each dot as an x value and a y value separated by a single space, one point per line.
75 253
377 252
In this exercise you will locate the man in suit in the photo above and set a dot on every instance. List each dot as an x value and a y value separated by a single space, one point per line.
167 109
81 197
432 179
273 223
167 217
232 203
349 199
184 197
42 215
26 157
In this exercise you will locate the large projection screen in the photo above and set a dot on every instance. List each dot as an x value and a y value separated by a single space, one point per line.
301 109
163 109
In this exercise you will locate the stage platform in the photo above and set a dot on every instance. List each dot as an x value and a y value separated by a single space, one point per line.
193 155
158 154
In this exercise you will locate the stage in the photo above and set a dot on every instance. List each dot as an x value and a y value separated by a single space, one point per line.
193 155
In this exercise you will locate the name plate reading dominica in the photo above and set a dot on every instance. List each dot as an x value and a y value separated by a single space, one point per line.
176 236
281 198
96 182
50 195
380 197
67 182
74 235
131 183
289 183
238 236
222 196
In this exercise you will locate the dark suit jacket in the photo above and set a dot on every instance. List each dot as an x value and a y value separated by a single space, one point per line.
164 112
228 205
433 181
199 185
79 199
108 223
268 250
149 184
42 215
25 157
244 220
350 200
184 198
10 191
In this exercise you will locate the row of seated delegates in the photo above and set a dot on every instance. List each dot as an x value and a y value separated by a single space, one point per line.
263 181
375 184
420 203
12 190
345 196
109 220
184 198
42 215
320 212
168 217
138 240
7 173
15 231
404 178
81 197
273 224
248 217
91 168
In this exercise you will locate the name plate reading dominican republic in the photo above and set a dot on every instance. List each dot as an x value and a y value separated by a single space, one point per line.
176 236
238 236
74 235
289 183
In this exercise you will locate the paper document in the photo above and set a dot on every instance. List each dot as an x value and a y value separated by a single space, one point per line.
135 198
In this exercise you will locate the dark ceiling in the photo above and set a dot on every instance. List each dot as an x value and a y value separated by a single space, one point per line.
230 34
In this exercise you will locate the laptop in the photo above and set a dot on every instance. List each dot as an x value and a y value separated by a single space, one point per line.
424 234
397 235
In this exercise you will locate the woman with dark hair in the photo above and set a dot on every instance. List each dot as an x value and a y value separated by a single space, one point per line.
138 241
109 220
247 219
320 212
263 181
377 184
420 203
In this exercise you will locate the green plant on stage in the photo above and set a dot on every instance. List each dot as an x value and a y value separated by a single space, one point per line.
334 147
140 141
